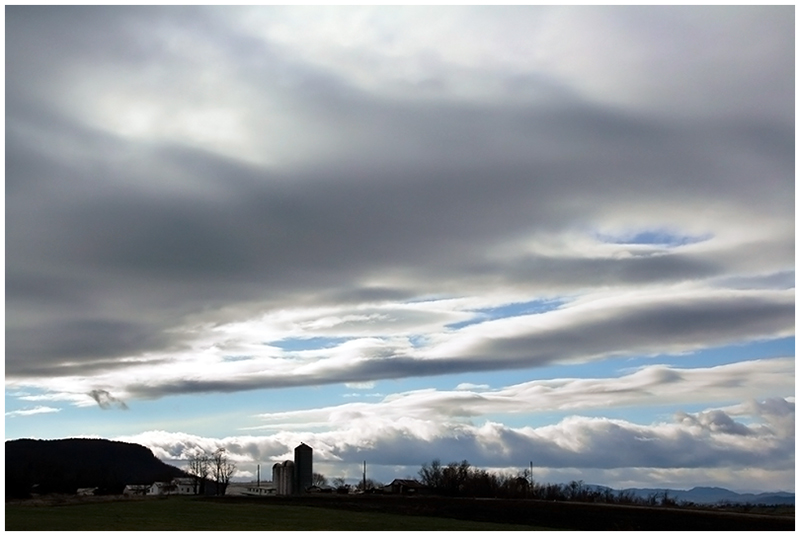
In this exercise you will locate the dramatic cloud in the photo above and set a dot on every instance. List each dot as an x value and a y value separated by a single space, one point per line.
119 239
706 440
254 200
399 433
622 323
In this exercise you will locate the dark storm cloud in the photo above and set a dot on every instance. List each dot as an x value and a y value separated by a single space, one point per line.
113 242
106 400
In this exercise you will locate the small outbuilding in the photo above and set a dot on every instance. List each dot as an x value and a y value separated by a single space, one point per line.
136 489
401 486
184 486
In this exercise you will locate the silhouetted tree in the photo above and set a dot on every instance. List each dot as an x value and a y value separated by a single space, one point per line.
340 485
431 475
199 467
575 490
454 477
222 468
319 480
369 485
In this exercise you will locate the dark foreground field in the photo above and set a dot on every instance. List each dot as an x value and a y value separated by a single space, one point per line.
367 513
221 514
554 515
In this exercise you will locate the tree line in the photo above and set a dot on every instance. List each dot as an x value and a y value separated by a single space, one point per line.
460 479
215 469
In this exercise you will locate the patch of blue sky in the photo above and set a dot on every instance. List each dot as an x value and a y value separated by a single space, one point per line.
234 358
708 357
295 344
509 310
233 413
418 341
655 237
68 421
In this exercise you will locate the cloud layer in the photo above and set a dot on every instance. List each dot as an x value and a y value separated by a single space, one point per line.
402 431
219 200
118 239
708 442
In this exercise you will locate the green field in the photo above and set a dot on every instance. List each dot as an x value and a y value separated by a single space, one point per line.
188 513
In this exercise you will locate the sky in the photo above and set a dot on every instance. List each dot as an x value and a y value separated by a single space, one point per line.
558 236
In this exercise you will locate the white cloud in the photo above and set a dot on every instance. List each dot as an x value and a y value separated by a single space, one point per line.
77 399
669 58
471 387
32 411
360 385
594 445
654 385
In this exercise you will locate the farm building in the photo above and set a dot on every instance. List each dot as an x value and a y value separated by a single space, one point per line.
260 490
178 486
136 489
401 486
292 477
184 486
283 477
303 467
160 488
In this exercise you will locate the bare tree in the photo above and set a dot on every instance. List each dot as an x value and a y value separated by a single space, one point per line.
432 475
199 467
222 469
319 480
368 485
340 485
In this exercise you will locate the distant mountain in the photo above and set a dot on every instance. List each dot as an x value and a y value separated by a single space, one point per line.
710 495
64 465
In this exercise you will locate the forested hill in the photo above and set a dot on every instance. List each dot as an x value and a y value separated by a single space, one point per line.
64 465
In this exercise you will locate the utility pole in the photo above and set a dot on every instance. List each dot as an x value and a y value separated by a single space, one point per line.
364 482
531 477
258 478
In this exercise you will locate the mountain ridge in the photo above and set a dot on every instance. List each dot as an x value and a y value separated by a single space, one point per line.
708 495
64 465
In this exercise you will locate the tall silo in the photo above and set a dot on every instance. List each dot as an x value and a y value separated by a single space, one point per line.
303 467
277 472
288 478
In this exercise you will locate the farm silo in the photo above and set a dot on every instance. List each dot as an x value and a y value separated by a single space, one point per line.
303 467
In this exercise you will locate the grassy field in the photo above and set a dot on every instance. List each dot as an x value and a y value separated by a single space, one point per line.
333 512
189 513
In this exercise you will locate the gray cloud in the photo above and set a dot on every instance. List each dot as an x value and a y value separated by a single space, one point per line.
649 328
117 240
106 400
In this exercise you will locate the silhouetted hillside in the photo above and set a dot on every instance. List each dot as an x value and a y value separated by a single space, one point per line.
64 465
711 495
